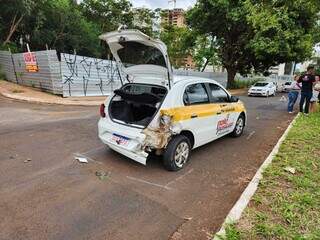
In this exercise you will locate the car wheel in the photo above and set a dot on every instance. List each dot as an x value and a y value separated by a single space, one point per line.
177 153
238 129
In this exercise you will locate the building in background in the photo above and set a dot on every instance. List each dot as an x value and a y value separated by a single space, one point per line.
175 17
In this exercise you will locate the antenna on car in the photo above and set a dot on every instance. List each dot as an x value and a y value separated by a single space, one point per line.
122 27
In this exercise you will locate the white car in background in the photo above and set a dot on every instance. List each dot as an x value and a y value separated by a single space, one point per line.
286 87
154 112
265 89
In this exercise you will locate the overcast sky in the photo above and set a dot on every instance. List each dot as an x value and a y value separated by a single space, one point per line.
162 3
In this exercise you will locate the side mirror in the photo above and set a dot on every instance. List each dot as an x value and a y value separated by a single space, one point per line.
234 99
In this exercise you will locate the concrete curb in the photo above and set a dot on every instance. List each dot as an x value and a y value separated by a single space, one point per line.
44 101
237 210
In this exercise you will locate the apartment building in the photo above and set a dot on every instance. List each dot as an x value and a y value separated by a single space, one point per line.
175 17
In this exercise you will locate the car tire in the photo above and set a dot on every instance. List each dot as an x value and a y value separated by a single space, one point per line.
177 153
238 129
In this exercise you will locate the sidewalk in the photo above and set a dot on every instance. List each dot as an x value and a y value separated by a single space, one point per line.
22 93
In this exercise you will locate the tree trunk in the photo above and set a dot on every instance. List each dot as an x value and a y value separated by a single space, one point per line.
231 75
13 28
205 65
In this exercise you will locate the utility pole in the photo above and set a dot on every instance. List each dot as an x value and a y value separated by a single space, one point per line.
174 3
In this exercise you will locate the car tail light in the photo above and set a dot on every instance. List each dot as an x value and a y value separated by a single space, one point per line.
102 112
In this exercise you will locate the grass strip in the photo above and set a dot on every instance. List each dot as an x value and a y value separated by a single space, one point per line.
287 202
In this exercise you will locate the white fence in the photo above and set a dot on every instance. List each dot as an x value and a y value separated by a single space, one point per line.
84 76
48 77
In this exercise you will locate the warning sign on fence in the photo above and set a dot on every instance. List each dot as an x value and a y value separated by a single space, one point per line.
31 62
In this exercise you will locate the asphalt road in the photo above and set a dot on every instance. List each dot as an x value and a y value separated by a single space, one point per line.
46 194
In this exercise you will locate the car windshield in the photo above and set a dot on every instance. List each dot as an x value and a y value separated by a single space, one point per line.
260 84
135 53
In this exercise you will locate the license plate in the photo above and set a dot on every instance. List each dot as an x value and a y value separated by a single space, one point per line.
120 140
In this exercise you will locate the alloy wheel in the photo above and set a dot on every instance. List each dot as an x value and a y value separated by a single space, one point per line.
181 154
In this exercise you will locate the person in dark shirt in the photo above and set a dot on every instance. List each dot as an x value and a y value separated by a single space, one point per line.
307 81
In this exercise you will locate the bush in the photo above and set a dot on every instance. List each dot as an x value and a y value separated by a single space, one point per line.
13 47
245 83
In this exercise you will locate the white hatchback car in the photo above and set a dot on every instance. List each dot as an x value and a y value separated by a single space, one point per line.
263 89
155 113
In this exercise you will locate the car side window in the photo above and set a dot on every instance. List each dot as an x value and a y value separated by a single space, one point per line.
218 94
195 94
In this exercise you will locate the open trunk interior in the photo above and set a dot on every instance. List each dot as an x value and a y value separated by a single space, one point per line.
136 103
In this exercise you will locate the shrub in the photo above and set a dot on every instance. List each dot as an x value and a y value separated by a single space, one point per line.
245 83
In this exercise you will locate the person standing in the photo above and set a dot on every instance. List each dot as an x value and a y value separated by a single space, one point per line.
315 95
307 81
293 93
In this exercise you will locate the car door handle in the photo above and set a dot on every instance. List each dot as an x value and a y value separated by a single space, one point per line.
218 113
224 105
194 115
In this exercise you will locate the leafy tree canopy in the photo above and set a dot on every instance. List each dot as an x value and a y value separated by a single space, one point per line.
255 35
108 14
179 42
65 25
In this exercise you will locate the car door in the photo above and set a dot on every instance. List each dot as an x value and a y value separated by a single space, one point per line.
201 113
225 122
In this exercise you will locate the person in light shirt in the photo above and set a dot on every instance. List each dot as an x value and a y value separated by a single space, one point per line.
293 94
314 99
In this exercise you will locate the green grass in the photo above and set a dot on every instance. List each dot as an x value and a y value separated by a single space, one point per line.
286 205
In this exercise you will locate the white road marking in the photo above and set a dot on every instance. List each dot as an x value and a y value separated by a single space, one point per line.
251 134
180 177
150 183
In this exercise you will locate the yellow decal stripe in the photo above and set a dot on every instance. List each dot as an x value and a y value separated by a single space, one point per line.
202 110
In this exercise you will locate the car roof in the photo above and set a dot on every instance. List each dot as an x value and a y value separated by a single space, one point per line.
178 78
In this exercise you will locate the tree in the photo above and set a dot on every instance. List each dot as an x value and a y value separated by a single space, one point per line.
179 41
205 52
255 35
143 20
108 14
12 14
60 25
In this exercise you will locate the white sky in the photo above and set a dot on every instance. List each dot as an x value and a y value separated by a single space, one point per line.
162 3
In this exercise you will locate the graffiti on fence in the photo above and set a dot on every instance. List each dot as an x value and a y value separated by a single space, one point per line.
84 76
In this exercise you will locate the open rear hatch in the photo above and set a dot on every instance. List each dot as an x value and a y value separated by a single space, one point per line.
140 58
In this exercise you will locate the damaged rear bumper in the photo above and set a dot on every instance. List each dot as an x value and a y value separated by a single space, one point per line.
134 149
